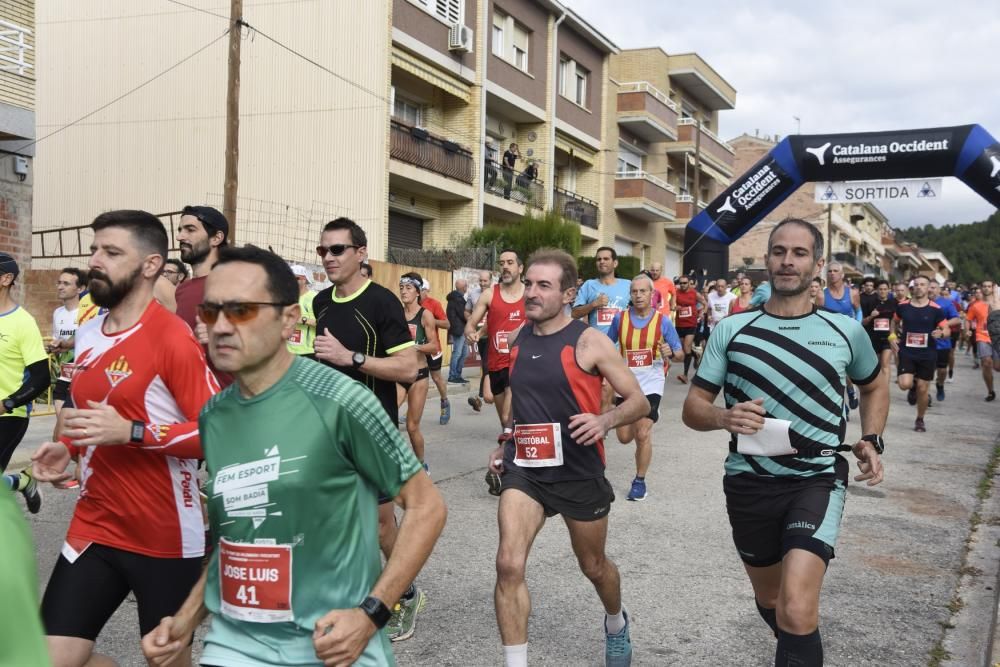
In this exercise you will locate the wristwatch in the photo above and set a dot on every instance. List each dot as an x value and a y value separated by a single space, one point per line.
376 610
877 442
358 360
137 432
8 405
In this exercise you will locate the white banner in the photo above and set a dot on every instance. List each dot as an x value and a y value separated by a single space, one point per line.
918 189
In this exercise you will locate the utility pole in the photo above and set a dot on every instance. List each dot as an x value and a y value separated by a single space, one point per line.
231 184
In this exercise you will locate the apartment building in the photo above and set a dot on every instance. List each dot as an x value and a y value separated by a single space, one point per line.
17 128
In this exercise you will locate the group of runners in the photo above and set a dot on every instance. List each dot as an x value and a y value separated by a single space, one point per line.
291 400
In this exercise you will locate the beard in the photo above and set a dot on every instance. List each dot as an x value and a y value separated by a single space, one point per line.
108 294
196 254
802 286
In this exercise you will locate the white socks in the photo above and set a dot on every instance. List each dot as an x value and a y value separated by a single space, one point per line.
516 656
615 623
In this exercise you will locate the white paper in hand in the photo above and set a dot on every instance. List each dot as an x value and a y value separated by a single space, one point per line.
772 440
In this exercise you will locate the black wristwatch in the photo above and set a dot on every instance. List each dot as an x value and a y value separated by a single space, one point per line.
358 360
9 405
376 610
877 442
138 431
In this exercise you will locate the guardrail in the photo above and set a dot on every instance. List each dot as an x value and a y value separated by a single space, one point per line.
646 87
514 185
576 208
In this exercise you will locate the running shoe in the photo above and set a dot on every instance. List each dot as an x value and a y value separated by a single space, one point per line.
911 396
638 490
476 403
950 379
29 489
919 427
852 400
940 393
990 397
445 412
403 622
618 646
457 381
493 482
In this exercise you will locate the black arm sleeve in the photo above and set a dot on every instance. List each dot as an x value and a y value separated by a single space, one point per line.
37 382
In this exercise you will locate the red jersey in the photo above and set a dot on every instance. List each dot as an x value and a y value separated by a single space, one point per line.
687 309
433 305
189 295
142 498
502 319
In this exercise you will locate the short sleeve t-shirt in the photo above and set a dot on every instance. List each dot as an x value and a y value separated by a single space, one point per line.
718 306
370 321
618 299
797 365
303 335
20 346
977 314
438 311
315 439
189 295
918 323
21 633
949 312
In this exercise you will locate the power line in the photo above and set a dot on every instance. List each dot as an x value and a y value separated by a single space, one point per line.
123 95
199 9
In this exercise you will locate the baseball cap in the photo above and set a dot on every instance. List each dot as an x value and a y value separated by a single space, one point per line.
301 271
8 264
211 218
426 286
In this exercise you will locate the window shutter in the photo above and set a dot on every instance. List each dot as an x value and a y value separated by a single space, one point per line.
450 10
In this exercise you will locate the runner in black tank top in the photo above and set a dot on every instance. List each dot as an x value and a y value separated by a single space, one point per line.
554 463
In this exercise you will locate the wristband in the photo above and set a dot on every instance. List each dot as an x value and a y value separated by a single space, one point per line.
892 337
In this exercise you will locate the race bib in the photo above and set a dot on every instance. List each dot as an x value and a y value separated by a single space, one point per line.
606 315
772 440
537 445
684 311
639 358
255 581
296 337
413 331
503 346
66 371
882 324
916 340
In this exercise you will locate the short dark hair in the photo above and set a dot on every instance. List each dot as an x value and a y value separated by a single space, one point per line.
358 237
281 282
82 275
520 262
614 253
817 237
145 228
181 267
868 279
560 258
882 282
366 267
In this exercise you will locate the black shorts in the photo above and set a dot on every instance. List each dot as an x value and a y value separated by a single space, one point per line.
942 358
686 331
580 499
434 364
499 380
422 374
654 406
12 430
880 345
483 346
956 334
769 516
60 390
923 369
82 596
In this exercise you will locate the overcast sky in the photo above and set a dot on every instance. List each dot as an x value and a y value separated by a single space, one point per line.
841 66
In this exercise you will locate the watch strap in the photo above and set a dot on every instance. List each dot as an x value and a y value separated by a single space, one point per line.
376 611
138 432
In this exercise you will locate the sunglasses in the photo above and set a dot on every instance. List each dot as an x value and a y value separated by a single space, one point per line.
236 312
337 249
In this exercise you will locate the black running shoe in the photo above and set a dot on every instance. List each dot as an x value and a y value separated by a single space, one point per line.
911 396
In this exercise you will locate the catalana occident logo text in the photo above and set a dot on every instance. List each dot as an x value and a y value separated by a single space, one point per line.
861 152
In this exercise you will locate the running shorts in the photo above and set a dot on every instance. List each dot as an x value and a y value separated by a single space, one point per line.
60 390
499 380
988 350
923 369
942 358
686 331
434 364
579 499
654 406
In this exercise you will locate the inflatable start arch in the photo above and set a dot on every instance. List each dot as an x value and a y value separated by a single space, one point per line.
967 152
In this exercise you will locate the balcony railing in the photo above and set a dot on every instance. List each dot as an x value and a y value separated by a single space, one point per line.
711 145
685 206
647 111
514 185
574 207
416 146
637 184
858 264
646 87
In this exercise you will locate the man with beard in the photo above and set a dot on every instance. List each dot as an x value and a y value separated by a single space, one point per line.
139 384
665 288
917 325
201 232
689 303
877 320
782 368
503 307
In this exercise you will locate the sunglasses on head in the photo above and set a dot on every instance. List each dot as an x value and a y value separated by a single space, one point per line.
337 249
236 312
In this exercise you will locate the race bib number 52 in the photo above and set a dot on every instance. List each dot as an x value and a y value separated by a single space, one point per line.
255 581
538 445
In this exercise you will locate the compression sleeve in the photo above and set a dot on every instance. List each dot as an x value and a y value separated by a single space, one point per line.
37 380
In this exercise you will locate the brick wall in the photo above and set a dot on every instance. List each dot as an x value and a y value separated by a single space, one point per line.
15 217
40 296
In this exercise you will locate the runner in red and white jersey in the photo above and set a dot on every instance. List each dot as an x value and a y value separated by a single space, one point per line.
689 301
140 381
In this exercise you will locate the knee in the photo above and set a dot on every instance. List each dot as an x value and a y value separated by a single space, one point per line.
595 569
904 382
412 428
510 568
797 615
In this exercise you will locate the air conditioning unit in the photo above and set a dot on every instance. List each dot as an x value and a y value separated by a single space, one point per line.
459 38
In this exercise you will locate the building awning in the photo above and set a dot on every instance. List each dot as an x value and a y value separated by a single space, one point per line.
576 149
438 78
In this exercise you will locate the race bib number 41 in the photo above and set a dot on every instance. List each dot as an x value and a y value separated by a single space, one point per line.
537 445
255 581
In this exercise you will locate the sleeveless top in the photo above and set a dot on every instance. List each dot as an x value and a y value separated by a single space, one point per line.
844 305
417 332
549 387
738 308
687 309
502 319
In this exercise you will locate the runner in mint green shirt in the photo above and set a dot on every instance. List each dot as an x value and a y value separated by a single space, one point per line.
21 634
296 454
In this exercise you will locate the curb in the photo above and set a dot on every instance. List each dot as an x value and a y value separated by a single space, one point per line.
969 638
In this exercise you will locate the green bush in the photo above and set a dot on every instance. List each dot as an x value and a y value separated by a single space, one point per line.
628 267
529 234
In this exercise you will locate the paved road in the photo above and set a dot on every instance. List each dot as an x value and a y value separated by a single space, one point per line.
886 593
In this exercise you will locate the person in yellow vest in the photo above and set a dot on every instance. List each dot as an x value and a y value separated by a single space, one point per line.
646 339
304 333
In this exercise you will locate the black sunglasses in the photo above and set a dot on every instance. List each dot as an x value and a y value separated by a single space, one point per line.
236 312
337 249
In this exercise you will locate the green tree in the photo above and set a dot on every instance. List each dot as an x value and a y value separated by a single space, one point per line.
971 248
525 236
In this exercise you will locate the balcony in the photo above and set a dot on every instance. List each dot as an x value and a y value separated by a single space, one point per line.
684 208
574 207
646 112
514 186
854 264
416 146
644 196
714 151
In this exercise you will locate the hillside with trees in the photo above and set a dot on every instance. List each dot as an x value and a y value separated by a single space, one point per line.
973 249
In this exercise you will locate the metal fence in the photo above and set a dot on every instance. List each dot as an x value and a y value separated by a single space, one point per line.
445 259
416 146
514 185
576 208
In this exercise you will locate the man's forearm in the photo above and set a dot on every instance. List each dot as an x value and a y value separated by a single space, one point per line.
398 367
193 611
701 415
874 407
630 410
581 311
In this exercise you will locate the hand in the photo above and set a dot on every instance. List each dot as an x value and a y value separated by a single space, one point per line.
99 425
341 635
869 462
328 348
600 301
470 337
894 346
200 330
495 456
587 428
744 418
165 643
49 463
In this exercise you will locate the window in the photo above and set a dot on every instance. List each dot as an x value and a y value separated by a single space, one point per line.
449 11
629 162
510 40
406 110
573 79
